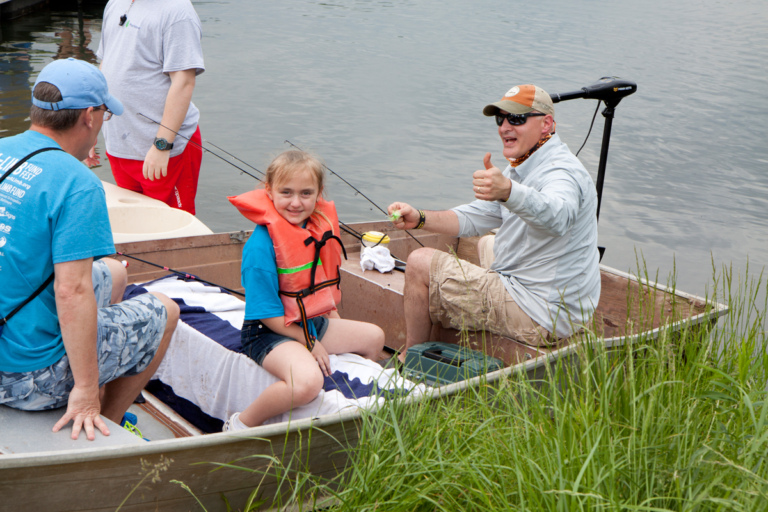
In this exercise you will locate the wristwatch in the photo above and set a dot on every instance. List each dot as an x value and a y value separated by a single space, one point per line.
162 144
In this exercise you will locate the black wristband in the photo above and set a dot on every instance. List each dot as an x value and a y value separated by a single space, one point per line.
422 220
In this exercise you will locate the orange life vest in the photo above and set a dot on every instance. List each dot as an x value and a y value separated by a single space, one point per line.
308 258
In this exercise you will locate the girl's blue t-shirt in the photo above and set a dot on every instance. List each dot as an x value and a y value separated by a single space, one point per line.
259 277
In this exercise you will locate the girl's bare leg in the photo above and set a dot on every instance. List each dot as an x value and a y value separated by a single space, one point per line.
300 382
360 338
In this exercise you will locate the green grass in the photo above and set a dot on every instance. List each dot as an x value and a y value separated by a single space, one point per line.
678 422
674 423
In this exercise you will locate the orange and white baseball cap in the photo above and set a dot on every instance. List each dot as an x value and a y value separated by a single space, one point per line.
522 99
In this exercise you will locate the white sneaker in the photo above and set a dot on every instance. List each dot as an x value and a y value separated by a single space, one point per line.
233 424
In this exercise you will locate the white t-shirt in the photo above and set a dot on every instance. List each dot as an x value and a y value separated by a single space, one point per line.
158 37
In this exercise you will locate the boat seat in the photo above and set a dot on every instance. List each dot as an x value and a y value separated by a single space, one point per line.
26 432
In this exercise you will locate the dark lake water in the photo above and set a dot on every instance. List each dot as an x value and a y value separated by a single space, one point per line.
390 94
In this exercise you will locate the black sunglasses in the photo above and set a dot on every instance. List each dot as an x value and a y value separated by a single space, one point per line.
516 119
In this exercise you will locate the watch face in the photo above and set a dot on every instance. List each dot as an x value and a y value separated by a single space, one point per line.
161 144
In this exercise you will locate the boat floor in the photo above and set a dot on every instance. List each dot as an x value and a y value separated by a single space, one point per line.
28 432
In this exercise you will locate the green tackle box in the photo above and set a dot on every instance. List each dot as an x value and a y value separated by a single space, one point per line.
436 363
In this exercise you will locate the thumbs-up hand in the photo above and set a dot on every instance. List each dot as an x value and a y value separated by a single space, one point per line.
489 184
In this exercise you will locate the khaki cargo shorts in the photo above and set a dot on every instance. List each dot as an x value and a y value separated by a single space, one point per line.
466 296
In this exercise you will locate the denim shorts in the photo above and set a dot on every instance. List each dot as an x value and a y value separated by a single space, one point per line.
129 334
258 340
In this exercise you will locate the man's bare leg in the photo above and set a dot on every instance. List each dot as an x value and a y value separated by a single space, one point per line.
119 279
120 393
418 325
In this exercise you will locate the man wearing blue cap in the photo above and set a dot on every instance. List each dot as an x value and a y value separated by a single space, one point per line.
66 339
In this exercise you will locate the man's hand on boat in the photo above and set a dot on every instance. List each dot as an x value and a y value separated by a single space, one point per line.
83 410
444 221
489 184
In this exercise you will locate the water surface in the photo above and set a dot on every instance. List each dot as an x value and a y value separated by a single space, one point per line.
390 94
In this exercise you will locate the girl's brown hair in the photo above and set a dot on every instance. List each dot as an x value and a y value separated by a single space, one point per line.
289 163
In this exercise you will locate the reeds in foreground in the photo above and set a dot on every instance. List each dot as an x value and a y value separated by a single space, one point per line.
678 422
674 423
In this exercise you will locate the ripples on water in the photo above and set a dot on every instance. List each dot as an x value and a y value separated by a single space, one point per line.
390 94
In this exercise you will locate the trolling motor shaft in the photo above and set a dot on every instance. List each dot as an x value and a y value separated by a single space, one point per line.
610 90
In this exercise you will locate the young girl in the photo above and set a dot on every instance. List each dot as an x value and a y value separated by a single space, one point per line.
290 326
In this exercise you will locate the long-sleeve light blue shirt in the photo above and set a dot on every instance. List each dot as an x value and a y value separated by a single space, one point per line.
546 246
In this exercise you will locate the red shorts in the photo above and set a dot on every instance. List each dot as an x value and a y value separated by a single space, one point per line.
178 189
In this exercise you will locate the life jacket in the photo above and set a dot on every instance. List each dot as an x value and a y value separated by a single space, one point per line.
308 258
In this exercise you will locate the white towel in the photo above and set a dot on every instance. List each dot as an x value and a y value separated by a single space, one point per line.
377 257
221 382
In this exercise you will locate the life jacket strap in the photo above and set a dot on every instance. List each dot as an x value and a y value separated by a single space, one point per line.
309 340
328 235
319 244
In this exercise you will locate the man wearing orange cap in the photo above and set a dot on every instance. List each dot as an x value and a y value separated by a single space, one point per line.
540 277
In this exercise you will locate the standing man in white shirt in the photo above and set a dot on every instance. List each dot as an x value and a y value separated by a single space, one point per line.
540 277
151 54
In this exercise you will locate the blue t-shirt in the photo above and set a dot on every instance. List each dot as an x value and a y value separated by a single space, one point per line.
259 277
52 210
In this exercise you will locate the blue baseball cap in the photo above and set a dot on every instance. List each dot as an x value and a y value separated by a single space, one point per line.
81 84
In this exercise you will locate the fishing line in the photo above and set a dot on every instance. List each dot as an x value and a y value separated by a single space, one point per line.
356 190
182 274
345 181
345 227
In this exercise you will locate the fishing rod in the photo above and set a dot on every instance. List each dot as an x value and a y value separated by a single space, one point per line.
345 181
356 190
208 150
181 274
346 227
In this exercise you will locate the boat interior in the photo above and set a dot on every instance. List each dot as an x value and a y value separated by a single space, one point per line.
367 295
627 307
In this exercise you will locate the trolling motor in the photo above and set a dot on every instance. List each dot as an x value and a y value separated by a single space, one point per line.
610 90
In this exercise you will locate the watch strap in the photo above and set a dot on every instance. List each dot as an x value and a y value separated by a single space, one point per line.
167 146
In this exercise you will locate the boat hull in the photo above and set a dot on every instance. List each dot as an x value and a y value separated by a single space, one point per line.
99 480
102 479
